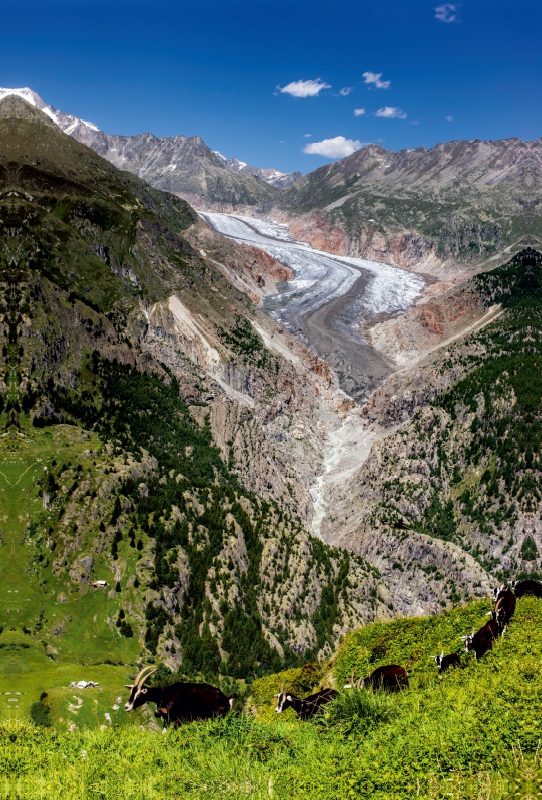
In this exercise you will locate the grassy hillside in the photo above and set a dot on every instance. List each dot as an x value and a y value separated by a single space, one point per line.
472 733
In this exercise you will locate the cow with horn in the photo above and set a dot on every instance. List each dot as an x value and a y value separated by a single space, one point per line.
308 707
179 702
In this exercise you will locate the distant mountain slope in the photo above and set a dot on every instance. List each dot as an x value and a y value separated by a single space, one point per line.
460 202
182 165
271 176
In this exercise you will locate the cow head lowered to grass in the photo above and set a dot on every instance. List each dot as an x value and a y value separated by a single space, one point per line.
179 702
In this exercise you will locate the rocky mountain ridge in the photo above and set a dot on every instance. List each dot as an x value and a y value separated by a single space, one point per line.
182 165
455 206
272 176
447 211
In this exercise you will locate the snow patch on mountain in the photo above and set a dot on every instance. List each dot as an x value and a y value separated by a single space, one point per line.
272 176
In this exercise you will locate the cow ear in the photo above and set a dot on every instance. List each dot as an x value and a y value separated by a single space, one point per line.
128 685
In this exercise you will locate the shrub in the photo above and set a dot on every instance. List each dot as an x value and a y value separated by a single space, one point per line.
39 714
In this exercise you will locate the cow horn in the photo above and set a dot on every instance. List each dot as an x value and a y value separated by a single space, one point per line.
144 675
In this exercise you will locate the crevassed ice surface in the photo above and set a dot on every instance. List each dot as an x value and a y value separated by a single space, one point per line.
318 276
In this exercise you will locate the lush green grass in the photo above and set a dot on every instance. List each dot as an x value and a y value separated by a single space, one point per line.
472 733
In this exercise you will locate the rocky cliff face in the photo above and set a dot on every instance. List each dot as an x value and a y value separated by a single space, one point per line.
447 489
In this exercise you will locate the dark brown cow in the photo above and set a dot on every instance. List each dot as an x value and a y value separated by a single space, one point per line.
482 640
391 678
521 588
180 702
505 605
445 662
307 708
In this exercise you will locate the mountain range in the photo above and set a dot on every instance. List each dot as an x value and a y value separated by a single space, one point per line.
182 165
446 210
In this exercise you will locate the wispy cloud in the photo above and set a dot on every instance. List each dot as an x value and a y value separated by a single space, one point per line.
390 112
345 91
449 118
359 112
448 12
307 135
338 147
304 88
373 79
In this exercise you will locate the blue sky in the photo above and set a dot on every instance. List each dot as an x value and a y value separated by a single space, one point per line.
216 69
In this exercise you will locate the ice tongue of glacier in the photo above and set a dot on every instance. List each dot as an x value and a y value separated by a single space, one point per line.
320 276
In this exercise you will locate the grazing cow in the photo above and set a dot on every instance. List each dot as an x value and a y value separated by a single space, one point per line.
482 640
391 678
528 586
307 708
445 662
180 702
505 605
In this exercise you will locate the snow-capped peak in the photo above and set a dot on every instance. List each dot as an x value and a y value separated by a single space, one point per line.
67 122
27 94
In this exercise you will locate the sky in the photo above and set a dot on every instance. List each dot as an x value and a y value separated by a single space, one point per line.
291 85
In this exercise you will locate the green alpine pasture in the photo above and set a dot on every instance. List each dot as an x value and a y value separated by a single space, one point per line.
471 733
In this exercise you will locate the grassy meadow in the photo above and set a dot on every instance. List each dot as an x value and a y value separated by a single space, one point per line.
471 733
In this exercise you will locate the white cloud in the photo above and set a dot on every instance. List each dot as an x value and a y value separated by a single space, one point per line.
307 135
449 12
373 78
390 112
304 88
449 118
338 147
345 91
359 112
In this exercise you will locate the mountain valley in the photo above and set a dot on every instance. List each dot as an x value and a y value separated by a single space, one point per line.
178 423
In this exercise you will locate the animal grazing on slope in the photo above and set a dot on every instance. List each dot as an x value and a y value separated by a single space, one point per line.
528 586
306 708
505 605
391 678
180 702
445 662
482 640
